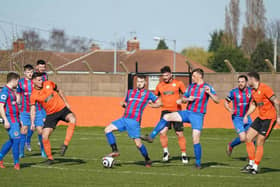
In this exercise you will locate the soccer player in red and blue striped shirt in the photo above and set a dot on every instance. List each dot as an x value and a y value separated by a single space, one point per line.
10 113
197 96
41 68
24 90
134 104
240 98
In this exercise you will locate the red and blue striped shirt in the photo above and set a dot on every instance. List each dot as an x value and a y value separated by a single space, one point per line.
240 100
201 97
136 102
8 97
24 89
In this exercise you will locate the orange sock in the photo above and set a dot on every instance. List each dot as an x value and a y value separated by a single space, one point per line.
163 140
259 154
250 150
69 133
47 148
182 143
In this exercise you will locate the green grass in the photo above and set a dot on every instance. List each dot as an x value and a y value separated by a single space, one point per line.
81 165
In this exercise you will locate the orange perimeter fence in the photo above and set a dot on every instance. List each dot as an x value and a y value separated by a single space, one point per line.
100 111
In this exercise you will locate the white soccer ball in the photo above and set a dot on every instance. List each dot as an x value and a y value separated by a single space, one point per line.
108 161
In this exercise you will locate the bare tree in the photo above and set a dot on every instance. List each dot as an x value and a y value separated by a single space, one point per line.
235 14
273 32
78 44
32 40
58 40
254 29
120 43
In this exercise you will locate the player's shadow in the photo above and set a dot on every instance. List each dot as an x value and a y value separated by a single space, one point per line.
211 164
69 161
268 170
240 158
179 158
27 165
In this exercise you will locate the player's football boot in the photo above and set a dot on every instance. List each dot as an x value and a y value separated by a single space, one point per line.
43 154
28 147
114 154
147 138
2 164
21 155
229 150
246 169
165 157
185 159
49 162
253 171
17 166
148 163
63 149
198 166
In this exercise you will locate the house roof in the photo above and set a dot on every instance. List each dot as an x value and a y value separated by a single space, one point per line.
100 60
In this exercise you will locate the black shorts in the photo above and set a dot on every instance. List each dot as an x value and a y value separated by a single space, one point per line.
263 126
178 126
52 119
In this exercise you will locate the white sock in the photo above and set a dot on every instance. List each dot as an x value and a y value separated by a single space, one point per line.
251 162
255 167
165 150
184 154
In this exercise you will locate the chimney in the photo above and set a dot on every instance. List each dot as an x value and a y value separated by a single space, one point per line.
133 44
18 45
94 47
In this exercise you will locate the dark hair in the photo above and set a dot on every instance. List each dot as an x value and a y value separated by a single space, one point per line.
255 75
12 76
36 74
141 76
42 62
165 69
199 71
28 67
244 77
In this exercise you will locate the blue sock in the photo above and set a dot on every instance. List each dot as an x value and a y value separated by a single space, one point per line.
197 153
144 152
15 149
29 136
111 138
41 142
5 148
22 143
235 142
161 124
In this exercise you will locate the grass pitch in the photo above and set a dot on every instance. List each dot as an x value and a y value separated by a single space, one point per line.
81 166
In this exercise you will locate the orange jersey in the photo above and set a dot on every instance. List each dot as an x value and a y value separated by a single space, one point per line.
48 98
261 97
170 93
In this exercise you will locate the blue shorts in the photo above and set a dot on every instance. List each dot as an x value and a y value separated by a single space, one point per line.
14 130
239 124
26 119
130 125
194 118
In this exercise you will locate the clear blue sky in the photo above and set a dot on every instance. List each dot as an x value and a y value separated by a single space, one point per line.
187 21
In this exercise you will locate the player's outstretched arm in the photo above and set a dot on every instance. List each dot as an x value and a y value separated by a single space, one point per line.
156 104
276 103
3 115
32 116
227 107
60 92
214 97
251 109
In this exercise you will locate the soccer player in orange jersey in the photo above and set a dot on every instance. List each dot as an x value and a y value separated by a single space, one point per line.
57 108
169 91
268 105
